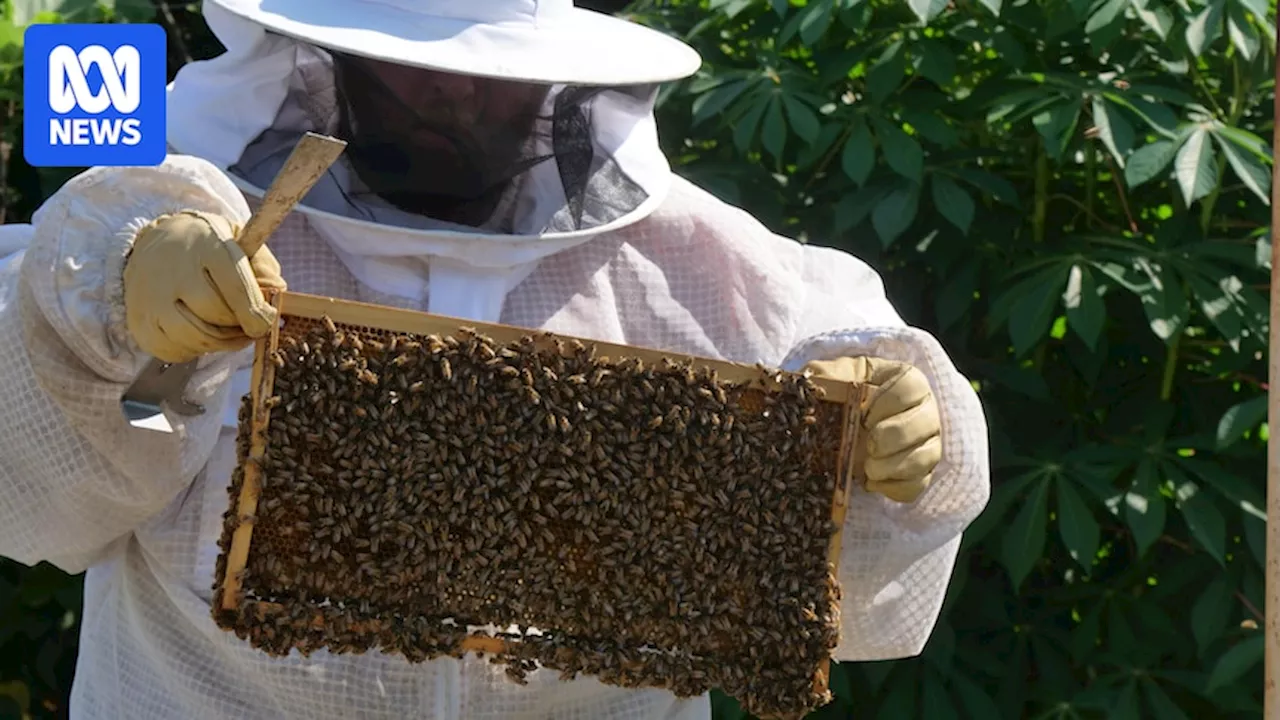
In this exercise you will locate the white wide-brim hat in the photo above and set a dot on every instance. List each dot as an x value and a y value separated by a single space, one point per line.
543 41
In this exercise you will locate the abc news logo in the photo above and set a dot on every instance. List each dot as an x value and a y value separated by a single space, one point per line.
94 95
69 89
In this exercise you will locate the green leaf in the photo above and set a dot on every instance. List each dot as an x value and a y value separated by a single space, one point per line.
803 120
895 213
1211 612
1205 28
1126 706
1243 35
1114 131
1257 147
953 202
774 129
1194 167
887 73
814 21
1032 312
934 61
859 154
1163 300
1080 531
1106 14
992 5
710 104
1159 19
956 296
1235 662
975 700
1259 8
997 187
1086 313
854 208
1254 176
1149 161
927 10
932 127
1144 507
1024 542
1009 50
1162 706
1203 517
1239 419
26 12
744 132
934 702
1057 125
901 151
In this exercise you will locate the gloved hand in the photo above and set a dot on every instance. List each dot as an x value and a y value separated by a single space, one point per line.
189 289
902 429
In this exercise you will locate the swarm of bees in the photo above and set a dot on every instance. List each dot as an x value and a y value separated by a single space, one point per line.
436 495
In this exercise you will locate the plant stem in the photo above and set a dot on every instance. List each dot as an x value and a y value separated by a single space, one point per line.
1090 181
1042 194
1170 368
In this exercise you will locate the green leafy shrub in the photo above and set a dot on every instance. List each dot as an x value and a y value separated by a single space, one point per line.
1072 194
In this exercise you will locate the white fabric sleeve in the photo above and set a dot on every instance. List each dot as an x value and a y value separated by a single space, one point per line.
75 477
897 559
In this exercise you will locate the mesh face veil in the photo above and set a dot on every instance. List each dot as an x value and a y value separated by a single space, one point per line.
459 152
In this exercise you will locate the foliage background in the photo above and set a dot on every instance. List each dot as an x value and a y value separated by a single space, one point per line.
1073 195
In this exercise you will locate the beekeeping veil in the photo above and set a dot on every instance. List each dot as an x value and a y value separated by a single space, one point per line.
483 134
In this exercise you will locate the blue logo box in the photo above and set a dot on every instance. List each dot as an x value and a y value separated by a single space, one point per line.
94 95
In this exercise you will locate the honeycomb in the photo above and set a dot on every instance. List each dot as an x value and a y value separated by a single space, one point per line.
649 524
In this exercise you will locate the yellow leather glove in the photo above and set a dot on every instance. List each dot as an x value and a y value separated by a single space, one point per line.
189 289
902 429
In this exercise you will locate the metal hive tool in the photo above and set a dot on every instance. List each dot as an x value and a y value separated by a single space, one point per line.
416 484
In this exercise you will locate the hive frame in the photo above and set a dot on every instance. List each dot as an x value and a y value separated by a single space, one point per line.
851 396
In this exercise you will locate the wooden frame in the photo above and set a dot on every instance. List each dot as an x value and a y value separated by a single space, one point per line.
310 307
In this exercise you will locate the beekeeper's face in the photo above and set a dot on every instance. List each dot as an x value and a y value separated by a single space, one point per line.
435 142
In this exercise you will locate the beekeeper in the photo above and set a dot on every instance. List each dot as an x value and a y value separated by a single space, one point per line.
503 166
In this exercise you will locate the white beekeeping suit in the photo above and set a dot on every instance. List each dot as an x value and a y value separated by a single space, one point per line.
651 261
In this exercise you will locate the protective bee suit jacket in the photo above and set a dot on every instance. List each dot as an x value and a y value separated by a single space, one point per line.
141 511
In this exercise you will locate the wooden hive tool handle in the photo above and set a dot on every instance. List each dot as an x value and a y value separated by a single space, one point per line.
305 166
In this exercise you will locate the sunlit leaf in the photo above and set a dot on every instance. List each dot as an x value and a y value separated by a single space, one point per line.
1086 312
927 10
1202 516
1114 131
1194 167
1108 11
1243 35
1239 419
1206 27
1253 174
